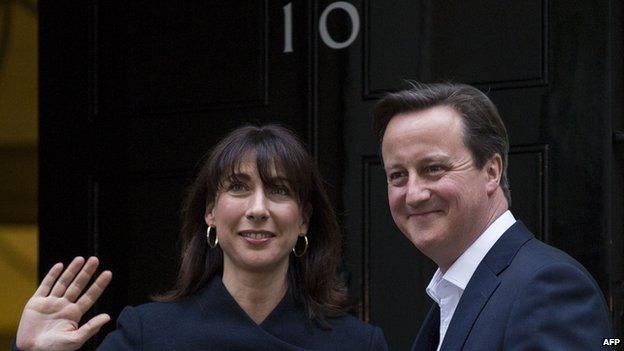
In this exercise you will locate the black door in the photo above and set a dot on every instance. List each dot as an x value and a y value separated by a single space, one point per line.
134 93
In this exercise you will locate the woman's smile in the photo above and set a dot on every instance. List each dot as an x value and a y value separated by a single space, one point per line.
256 237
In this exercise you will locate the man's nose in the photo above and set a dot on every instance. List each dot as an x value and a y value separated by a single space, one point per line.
258 207
417 191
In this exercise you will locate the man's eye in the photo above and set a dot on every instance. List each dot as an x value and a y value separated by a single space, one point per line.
396 177
434 169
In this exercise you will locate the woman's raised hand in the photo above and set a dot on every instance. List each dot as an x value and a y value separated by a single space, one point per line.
50 320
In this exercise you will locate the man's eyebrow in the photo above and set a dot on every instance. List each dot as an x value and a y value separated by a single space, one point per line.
390 166
435 158
425 159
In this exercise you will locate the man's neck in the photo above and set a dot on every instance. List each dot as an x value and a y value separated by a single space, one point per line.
497 208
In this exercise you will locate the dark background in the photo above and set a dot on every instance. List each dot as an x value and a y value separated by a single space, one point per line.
133 93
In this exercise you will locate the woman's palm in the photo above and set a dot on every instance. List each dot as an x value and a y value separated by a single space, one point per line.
50 320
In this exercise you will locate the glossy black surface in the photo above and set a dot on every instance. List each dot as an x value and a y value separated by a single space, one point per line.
133 94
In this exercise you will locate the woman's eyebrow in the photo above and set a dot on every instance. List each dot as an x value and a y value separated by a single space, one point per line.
238 176
279 179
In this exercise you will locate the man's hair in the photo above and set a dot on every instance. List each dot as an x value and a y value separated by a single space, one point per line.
483 133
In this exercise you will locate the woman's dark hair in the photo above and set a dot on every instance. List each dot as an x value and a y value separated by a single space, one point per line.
313 279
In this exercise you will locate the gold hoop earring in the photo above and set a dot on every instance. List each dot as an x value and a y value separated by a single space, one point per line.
216 239
305 248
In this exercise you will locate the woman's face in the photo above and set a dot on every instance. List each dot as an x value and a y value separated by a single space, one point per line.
257 224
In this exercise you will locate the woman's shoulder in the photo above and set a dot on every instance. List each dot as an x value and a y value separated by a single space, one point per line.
160 314
179 303
346 328
162 309
151 323
348 321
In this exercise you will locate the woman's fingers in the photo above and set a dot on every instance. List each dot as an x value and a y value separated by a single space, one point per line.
82 279
90 328
48 281
95 290
67 277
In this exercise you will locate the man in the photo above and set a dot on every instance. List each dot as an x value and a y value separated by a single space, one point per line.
444 149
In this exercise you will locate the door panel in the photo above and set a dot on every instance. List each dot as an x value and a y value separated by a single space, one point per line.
505 43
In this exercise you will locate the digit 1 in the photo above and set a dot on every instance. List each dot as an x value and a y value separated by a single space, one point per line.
288 28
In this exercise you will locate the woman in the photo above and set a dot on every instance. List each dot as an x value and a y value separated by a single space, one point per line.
259 266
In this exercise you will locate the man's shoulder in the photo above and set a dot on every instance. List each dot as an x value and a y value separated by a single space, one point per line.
519 251
539 263
544 299
537 255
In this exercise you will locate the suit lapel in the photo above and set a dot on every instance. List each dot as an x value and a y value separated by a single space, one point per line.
482 285
470 305
429 334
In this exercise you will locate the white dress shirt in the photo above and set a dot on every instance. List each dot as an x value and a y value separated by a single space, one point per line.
446 289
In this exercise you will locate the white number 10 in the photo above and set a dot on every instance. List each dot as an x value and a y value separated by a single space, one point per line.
325 36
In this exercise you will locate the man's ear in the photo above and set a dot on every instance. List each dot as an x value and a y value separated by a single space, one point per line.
493 171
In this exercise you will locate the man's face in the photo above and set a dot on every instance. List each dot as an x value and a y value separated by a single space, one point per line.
438 198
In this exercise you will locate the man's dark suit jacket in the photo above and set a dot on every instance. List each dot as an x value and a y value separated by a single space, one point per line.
524 295
212 320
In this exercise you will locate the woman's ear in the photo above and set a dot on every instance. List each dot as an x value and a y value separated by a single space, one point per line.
306 214
209 215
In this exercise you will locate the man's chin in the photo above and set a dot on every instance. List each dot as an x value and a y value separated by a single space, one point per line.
423 239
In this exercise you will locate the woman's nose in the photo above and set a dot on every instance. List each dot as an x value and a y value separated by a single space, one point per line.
258 210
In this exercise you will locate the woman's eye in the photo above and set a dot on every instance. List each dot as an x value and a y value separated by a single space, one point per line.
280 190
237 187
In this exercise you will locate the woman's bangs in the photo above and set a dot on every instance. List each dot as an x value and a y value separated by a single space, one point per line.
229 164
276 164
276 161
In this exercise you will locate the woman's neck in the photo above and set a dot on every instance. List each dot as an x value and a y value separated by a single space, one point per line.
257 293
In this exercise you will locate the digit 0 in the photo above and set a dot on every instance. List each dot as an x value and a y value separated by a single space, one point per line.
355 24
